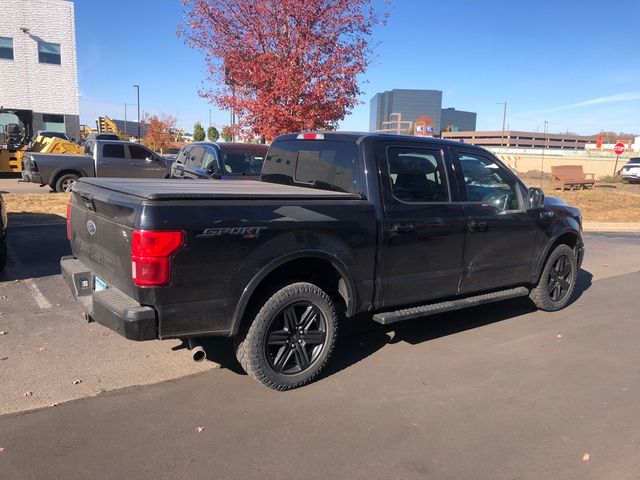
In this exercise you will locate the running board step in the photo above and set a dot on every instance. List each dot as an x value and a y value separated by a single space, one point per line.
385 318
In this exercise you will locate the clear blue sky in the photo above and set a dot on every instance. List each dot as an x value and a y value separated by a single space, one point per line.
573 63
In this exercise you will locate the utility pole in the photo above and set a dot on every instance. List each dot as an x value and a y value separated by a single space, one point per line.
125 118
544 147
504 120
137 87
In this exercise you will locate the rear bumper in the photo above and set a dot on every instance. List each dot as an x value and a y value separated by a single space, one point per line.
28 176
110 307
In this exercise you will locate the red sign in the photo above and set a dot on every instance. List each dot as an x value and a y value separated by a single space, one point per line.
619 148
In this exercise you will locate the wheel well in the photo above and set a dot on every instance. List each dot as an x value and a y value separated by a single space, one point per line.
64 172
568 238
318 271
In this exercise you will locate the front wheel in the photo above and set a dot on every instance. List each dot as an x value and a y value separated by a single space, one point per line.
557 281
291 338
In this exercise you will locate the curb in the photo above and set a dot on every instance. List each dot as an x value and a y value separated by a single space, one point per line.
630 227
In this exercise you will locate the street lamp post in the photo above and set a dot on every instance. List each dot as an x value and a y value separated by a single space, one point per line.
137 87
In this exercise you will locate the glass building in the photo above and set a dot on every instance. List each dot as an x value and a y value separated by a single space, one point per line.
412 105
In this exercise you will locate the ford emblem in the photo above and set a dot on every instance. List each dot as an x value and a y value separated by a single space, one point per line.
91 227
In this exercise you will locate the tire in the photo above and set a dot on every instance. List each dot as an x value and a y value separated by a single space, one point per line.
557 280
65 182
291 338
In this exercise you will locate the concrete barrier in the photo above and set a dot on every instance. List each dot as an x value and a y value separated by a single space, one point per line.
600 167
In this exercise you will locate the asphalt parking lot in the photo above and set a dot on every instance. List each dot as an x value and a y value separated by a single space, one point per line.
499 391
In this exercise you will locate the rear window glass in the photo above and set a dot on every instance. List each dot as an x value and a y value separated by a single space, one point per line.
320 164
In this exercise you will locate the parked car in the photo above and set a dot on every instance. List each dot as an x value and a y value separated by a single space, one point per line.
236 161
103 158
340 223
631 170
3 234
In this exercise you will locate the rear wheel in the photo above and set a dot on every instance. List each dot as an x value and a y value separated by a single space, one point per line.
65 182
557 281
291 338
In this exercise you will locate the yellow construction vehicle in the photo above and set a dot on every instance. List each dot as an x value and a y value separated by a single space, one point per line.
16 130
45 144
106 125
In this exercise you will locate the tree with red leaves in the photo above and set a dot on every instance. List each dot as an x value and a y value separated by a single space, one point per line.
159 130
283 65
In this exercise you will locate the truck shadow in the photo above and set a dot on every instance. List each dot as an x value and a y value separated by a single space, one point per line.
36 243
361 336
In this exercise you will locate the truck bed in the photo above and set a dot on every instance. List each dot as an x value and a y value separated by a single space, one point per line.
163 189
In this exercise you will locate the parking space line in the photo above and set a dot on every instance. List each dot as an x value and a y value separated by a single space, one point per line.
40 299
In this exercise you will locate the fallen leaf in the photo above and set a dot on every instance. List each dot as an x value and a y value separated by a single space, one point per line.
559 335
106 334
76 382
53 404
27 394
4 358
199 429
41 349
1 449
605 264
3 297
586 457
3 332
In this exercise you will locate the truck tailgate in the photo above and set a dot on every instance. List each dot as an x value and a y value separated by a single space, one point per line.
102 223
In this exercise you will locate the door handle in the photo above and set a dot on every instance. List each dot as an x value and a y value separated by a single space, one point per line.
402 228
477 225
104 163
546 214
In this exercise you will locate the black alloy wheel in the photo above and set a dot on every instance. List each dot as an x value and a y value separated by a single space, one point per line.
296 338
559 281
289 337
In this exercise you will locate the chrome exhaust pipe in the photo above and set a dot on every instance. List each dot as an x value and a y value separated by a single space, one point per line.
197 352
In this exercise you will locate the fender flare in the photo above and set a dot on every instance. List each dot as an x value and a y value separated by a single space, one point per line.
547 249
257 279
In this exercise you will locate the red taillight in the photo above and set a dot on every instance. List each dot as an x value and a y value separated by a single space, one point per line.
151 253
310 136
69 221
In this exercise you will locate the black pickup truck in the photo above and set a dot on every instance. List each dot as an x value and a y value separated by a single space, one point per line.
339 223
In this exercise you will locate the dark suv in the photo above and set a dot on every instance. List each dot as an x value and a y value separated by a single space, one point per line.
219 160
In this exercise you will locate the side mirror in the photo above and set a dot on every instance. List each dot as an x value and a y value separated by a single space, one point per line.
535 198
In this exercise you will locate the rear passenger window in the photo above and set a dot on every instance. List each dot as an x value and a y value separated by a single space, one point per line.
417 175
195 157
113 150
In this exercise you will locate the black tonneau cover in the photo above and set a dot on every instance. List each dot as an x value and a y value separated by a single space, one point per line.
167 189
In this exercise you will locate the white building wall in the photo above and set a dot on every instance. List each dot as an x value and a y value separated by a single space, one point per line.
24 82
